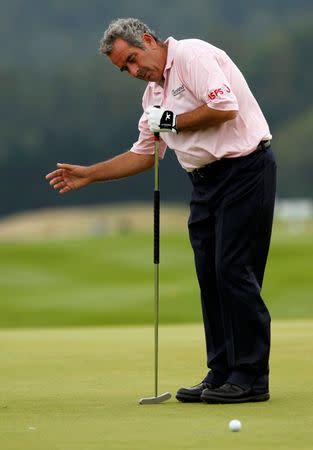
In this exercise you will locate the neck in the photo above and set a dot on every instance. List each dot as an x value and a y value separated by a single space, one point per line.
164 49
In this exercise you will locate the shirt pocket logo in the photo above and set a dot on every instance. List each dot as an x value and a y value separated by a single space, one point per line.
178 90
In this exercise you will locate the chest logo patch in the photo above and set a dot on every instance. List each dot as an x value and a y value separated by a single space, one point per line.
178 90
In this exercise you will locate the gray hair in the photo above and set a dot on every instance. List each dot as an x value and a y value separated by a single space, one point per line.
130 30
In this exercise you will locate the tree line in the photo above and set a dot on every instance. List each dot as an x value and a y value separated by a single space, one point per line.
84 111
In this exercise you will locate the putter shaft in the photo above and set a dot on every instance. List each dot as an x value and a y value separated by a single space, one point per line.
156 260
166 396
156 329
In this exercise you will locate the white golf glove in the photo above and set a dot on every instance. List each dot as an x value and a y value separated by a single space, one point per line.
160 120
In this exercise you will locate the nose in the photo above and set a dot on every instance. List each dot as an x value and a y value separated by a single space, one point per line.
133 70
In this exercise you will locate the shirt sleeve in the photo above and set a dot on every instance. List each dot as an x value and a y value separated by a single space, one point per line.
145 143
205 77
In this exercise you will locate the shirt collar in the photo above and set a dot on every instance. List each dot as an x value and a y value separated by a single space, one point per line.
171 50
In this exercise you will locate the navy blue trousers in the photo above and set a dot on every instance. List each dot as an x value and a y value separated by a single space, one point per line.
230 223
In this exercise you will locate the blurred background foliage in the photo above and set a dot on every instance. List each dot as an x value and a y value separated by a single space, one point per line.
62 101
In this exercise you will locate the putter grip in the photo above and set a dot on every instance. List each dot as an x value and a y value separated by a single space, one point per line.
156 227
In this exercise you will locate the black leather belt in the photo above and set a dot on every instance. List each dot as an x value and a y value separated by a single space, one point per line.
202 172
263 145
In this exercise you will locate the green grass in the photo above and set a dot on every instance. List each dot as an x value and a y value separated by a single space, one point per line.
77 389
109 280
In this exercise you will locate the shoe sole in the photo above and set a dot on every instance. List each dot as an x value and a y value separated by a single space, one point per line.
221 400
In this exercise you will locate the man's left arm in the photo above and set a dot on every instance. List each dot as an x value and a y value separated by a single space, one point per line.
161 120
202 118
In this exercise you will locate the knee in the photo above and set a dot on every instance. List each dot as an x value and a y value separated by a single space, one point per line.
226 270
237 277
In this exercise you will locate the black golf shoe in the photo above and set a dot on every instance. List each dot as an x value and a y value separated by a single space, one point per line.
230 393
193 393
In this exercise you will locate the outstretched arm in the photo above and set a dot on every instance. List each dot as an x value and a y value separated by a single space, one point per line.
69 177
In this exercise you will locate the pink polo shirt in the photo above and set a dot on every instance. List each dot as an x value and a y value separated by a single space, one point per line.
197 73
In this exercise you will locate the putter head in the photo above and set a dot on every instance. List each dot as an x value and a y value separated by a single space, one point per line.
154 400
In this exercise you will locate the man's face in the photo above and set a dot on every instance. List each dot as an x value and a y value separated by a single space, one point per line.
146 64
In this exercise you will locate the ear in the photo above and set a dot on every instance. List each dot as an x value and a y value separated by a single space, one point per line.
149 40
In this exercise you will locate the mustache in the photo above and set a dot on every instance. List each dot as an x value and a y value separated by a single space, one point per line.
142 73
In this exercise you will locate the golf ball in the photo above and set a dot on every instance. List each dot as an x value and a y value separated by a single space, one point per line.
234 425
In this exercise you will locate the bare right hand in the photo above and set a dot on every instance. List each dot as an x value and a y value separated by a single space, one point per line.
69 177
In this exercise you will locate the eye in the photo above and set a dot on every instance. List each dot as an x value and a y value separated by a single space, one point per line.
130 59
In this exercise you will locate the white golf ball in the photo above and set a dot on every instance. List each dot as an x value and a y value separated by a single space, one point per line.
234 425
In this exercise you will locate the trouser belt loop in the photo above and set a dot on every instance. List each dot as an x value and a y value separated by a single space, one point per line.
263 145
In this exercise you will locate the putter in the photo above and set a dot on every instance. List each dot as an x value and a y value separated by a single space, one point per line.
166 396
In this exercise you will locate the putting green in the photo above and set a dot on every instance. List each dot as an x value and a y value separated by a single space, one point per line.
77 389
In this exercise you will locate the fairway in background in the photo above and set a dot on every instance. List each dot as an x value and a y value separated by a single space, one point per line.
108 279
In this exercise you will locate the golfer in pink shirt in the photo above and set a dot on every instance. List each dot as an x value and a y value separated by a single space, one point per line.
200 103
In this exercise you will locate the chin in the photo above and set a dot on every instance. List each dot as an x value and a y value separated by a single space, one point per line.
155 79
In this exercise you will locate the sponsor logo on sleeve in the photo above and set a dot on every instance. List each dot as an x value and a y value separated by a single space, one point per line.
224 89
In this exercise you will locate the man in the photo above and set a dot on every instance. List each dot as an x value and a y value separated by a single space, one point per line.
209 117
